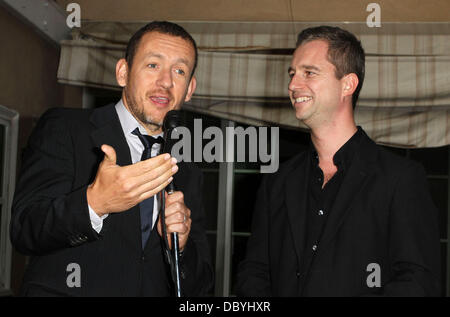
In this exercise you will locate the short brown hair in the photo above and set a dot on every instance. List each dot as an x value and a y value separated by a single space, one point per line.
163 27
344 52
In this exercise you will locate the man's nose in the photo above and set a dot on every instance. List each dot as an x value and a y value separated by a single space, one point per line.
165 79
296 83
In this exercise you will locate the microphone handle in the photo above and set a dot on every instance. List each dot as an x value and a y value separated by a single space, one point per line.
177 263
170 189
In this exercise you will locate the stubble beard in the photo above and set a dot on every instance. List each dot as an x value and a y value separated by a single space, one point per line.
140 115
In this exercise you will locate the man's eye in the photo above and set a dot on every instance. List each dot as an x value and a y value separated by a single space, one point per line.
151 65
291 74
309 74
180 72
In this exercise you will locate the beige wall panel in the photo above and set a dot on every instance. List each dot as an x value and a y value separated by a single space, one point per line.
29 85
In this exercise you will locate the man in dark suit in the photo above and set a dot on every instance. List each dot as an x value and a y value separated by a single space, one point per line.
86 208
346 218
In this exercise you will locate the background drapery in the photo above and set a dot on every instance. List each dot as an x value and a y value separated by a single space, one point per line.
242 73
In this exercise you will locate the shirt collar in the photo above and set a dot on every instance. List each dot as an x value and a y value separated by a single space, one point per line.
128 122
343 157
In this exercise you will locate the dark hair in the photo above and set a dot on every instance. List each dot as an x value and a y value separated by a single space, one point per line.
163 27
344 52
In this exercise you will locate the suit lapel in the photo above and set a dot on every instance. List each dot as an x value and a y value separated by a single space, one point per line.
296 202
108 130
354 182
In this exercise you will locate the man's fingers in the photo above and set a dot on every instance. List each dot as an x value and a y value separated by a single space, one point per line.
149 181
135 181
153 162
181 228
175 204
151 167
145 178
110 154
178 217
131 190
149 190
174 197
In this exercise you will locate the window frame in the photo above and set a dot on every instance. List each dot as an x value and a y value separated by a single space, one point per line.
10 120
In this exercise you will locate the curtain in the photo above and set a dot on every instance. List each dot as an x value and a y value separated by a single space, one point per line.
242 74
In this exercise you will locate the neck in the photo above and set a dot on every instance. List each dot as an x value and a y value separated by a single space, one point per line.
152 129
329 138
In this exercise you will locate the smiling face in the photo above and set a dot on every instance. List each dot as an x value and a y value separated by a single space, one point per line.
315 92
159 79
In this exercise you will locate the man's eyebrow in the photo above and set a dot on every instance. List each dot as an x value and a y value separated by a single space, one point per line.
183 60
307 67
153 55
310 67
157 55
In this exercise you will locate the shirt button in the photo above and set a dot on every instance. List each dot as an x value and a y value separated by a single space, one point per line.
320 212
314 248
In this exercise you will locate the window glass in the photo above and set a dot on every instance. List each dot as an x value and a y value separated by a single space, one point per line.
2 154
439 192
210 198
434 160
239 249
245 190
444 269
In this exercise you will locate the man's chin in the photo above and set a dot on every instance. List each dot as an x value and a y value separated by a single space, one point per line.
153 125
301 116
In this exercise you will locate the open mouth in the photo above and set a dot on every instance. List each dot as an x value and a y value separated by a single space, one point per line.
161 101
302 99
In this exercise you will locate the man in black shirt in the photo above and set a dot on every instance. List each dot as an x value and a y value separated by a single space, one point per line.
345 218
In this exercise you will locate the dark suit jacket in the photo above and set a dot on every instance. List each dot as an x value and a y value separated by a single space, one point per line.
50 217
383 214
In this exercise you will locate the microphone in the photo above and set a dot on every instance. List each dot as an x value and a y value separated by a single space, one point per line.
171 121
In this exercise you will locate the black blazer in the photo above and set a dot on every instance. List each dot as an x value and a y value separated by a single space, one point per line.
383 214
50 217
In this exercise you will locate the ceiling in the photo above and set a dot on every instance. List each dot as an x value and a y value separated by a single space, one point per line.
261 10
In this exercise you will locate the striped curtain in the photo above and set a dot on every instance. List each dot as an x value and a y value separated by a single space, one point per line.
242 74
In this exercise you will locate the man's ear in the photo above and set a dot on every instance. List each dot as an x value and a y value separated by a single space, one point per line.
349 84
122 72
191 89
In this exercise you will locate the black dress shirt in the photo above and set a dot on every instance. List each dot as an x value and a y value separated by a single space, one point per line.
320 200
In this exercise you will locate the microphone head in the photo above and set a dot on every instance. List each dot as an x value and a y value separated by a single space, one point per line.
172 120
